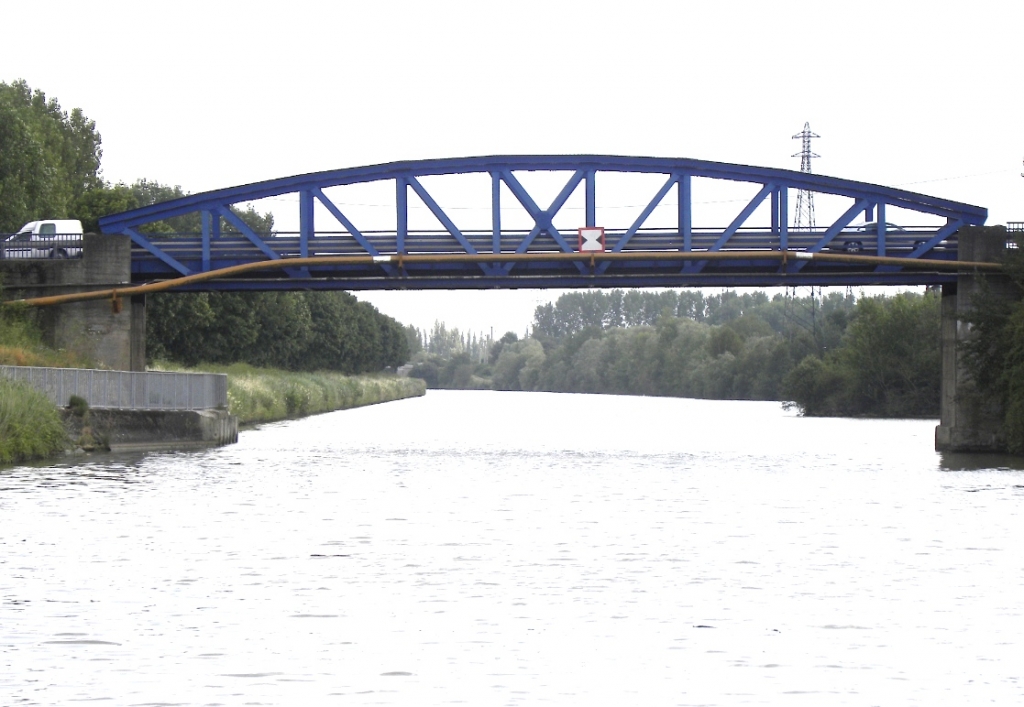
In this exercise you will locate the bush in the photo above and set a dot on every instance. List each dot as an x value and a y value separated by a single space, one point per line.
78 405
30 425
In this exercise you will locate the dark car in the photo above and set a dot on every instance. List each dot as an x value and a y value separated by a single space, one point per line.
853 238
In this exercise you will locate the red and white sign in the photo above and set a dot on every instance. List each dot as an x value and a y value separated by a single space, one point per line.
592 239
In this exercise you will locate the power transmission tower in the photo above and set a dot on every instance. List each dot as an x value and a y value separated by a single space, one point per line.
805 198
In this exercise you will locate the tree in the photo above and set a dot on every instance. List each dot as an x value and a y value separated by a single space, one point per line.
887 365
48 158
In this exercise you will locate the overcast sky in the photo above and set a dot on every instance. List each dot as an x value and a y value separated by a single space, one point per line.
924 96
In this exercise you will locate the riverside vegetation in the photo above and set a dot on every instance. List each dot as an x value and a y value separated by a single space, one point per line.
834 355
257 395
51 166
30 425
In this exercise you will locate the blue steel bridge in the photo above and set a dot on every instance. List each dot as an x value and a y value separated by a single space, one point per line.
861 246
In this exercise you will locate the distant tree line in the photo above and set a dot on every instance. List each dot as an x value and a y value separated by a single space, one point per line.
49 168
831 355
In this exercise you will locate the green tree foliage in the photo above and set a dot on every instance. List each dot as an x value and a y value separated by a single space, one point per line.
831 355
49 158
298 331
888 365
994 355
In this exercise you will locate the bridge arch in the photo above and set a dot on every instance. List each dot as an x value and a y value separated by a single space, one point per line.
734 252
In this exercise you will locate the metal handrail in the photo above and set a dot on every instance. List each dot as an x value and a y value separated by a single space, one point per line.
126 390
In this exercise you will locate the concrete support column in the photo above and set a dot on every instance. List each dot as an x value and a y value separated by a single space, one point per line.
969 420
98 331
137 354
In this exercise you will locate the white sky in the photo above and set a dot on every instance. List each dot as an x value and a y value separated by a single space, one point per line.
213 94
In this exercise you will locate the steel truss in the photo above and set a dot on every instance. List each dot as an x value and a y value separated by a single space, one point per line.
168 256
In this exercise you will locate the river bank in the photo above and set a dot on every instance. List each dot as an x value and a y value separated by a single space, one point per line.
258 395
32 427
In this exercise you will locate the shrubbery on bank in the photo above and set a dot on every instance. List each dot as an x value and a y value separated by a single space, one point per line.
30 425
258 395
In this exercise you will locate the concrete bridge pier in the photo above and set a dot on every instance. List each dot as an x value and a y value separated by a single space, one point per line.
970 421
111 336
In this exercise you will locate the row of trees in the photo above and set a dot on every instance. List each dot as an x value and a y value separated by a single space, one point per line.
298 331
750 347
831 355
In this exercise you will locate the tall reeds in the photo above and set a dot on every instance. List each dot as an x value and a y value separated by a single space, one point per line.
30 426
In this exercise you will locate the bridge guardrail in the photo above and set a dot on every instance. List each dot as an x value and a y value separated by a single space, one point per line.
25 246
126 390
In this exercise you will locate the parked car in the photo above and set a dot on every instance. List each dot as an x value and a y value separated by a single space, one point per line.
51 238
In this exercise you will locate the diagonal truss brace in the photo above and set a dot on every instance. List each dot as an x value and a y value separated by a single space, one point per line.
441 216
833 231
243 228
740 219
143 242
356 234
640 220
542 219
951 227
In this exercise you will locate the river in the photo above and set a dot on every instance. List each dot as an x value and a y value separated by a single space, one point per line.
490 548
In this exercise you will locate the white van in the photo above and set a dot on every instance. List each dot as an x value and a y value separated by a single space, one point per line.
52 238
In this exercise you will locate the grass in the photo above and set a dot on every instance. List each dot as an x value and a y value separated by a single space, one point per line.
258 395
20 344
30 426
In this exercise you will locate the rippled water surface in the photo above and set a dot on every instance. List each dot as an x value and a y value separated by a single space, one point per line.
501 548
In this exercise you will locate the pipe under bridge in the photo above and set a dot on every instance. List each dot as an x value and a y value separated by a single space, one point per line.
508 236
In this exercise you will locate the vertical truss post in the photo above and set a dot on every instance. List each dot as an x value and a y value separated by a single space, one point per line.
591 201
402 204
495 212
207 218
306 228
685 212
881 228
869 212
775 212
783 205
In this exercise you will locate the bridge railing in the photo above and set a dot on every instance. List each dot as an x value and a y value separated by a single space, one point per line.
189 246
24 246
126 390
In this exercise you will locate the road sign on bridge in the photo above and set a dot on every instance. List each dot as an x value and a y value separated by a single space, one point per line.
755 245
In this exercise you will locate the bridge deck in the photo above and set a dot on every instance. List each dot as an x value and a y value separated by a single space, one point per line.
668 264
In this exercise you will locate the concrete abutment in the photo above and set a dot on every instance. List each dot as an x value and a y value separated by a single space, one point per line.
112 335
970 420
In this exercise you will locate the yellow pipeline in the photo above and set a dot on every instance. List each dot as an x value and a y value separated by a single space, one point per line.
116 293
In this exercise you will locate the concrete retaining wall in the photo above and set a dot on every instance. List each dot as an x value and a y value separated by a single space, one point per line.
145 430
